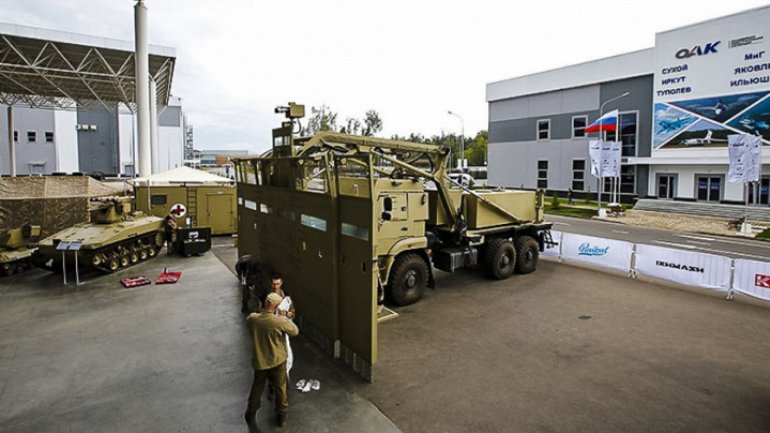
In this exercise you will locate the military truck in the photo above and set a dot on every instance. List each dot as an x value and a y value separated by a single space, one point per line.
415 217
16 248
115 238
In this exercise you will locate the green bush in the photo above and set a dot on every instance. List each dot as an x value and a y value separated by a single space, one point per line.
555 202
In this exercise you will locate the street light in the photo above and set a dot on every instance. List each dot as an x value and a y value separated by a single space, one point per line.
599 180
462 139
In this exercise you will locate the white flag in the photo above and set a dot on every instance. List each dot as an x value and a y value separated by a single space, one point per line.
595 153
745 152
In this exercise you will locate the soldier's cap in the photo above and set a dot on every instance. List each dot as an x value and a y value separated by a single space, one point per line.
273 299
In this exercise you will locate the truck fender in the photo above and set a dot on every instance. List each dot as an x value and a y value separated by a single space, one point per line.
415 245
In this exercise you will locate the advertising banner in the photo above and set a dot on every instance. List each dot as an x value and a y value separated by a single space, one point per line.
684 267
712 80
608 253
752 278
745 153
555 250
605 158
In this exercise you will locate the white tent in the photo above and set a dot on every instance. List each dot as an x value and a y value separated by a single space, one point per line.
181 175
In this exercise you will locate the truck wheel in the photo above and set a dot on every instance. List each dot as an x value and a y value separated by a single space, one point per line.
500 259
527 254
408 279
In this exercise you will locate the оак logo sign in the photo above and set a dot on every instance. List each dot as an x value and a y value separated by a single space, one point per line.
697 50
762 281
585 249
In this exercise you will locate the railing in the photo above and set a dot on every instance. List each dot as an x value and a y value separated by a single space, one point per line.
709 271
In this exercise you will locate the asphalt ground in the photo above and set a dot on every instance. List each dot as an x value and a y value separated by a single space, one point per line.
563 349
160 358
568 349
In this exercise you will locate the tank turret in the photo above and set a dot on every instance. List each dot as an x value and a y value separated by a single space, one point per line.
16 248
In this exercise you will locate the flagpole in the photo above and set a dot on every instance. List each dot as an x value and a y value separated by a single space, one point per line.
601 121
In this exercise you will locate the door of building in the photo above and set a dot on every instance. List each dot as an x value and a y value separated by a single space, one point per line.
666 186
759 192
709 188
218 215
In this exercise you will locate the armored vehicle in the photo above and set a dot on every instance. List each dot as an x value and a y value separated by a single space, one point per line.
115 238
415 217
16 248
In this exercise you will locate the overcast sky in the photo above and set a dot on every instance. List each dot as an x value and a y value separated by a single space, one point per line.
411 60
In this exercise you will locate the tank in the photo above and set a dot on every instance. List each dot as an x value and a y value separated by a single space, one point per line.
115 238
16 248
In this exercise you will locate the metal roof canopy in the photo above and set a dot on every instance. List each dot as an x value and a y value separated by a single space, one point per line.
48 68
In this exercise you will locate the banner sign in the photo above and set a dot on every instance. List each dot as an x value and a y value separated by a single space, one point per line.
684 267
607 253
711 81
555 250
745 153
605 158
752 278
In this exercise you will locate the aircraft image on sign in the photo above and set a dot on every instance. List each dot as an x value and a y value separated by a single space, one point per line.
708 139
668 122
720 108
703 133
672 125
755 120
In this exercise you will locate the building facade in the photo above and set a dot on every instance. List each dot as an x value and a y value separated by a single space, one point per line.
699 84
89 140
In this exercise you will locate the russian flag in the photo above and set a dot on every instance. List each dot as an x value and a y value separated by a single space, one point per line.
609 122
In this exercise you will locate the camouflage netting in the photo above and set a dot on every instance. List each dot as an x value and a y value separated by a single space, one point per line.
52 202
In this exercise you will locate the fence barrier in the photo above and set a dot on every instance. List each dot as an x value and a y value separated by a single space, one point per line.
709 271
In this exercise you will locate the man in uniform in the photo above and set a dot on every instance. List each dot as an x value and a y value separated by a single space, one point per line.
269 362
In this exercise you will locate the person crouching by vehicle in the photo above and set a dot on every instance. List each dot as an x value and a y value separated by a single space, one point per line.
268 332
169 229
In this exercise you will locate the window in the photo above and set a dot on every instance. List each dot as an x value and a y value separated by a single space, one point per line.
15 135
128 170
578 174
31 136
158 199
627 180
37 168
579 126
543 129
542 174
313 222
49 137
628 133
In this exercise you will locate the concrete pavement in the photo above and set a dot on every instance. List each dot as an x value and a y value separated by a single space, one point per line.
100 357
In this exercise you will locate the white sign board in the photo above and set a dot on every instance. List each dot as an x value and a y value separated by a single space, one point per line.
752 278
608 253
684 267
605 158
711 80
745 153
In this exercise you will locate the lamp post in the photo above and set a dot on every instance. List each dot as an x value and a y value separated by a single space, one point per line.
462 139
599 180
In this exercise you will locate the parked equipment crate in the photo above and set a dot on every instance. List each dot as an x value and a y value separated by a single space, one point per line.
195 240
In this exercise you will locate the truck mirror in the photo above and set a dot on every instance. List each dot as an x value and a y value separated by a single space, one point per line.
386 216
387 204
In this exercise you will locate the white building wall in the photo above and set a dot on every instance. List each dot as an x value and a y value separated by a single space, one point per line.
66 140
171 147
126 140
687 175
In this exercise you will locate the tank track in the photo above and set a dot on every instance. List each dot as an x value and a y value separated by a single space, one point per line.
15 266
125 253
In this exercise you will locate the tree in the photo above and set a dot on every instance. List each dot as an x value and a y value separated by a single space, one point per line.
322 119
372 123
353 126
477 152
